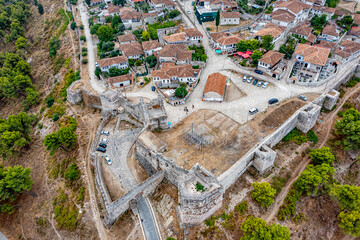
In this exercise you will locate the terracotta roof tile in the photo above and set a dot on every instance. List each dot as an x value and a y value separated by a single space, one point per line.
294 6
327 44
193 32
150 45
176 37
323 9
271 57
303 29
169 70
215 83
347 48
330 29
120 78
282 15
111 61
228 40
131 49
127 38
313 54
177 51
113 8
357 18
229 15
270 29
311 38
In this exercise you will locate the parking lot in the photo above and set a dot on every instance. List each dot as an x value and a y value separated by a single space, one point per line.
118 147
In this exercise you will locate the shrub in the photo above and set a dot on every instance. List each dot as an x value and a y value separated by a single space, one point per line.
241 207
82 38
73 25
138 62
263 193
55 117
181 92
312 136
72 172
84 61
49 101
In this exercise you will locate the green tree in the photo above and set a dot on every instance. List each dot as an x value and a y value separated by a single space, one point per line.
255 56
21 43
145 36
256 229
13 181
32 98
180 92
97 72
64 138
105 33
313 178
347 196
72 172
151 60
263 193
241 46
322 155
267 42
94 28
348 130
350 222
14 133
217 20
73 25
40 9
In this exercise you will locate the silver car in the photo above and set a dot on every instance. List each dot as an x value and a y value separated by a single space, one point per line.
108 160
104 140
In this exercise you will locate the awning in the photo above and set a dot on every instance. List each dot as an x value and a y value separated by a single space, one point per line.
218 51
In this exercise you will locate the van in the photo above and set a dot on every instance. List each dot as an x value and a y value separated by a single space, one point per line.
273 101
100 149
253 111
103 145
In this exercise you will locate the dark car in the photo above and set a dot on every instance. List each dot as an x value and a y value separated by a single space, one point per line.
258 72
101 149
103 145
273 101
153 88
255 82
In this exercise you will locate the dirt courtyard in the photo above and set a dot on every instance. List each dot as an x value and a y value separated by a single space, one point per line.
228 140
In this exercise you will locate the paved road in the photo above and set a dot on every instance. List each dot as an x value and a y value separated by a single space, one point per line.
120 143
2 237
148 221
89 43
118 148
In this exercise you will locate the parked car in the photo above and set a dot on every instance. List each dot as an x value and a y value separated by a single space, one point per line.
250 79
103 145
265 84
258 72
101 149
253 111
244 78
259 84
104 140
153 88
302 97
273 101
106 133
188 12
255 82
108 160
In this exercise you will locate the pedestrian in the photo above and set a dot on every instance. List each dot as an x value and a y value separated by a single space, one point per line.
193 106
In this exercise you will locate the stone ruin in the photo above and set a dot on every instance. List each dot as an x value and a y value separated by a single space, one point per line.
153 113
195 205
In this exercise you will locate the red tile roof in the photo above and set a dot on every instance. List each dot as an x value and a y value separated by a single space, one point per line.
215 83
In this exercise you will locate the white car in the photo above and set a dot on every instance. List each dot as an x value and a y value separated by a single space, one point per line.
188 12
265 84
108 160
104 140
244 79
106 133
250 79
